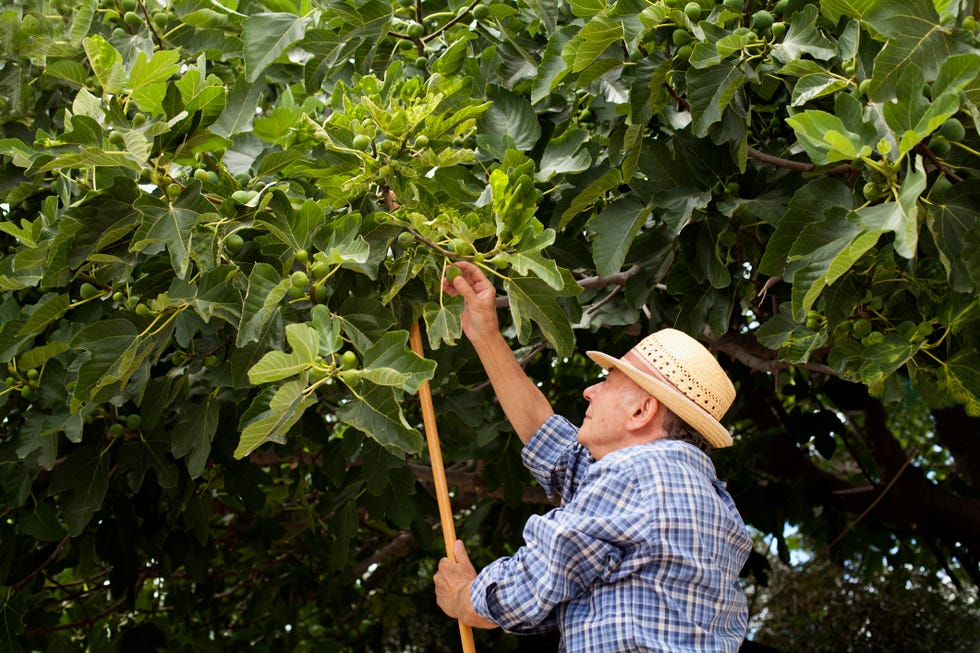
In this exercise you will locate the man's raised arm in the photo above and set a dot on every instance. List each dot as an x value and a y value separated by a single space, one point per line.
523 402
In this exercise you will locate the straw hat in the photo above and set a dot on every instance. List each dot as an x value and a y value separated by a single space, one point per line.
680 373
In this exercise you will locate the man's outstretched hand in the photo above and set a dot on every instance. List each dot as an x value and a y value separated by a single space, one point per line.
479 317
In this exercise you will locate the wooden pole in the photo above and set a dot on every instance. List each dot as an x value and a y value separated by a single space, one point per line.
439 476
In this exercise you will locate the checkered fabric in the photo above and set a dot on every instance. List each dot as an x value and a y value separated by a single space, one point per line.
643 554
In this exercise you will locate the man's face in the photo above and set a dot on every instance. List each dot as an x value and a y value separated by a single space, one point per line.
611 402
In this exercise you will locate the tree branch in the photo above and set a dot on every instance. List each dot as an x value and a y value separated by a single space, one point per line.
745 349
789 164
591 283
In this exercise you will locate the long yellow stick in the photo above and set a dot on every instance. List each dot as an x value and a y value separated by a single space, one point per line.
439 476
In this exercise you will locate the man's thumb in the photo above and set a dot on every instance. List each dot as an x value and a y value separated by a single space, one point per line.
459 550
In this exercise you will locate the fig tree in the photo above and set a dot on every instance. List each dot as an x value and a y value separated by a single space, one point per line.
406 239
693 11
481 12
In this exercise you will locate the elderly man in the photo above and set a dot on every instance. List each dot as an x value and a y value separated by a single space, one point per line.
644 552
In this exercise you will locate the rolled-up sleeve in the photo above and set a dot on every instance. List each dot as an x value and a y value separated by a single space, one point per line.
565 552
555 458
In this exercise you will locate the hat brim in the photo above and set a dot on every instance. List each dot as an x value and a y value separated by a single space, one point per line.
698 418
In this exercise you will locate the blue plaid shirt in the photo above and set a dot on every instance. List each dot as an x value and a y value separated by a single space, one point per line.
643 554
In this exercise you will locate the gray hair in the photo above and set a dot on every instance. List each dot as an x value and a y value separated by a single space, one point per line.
677 429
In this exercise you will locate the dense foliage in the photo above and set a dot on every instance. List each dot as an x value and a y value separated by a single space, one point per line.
220 219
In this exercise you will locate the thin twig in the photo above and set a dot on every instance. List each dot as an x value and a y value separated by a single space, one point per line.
871 506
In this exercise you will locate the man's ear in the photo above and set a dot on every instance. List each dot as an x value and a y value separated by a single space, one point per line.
645 412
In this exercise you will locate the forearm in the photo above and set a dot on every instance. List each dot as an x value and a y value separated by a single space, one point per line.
467 614
522 401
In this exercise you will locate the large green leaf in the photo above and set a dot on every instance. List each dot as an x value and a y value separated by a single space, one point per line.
911 115
955 226
106 62
825 137
902 216
812 81
239 110
48 309
533 300
286 406
266 37
710 92
115 351
277 365
565 154
614 229
442 321
834 9
266 288
172 224
804 38
807 206
375 411
390 362
915 36
509 124
196 429
84 475
823 252
148 70
586 46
